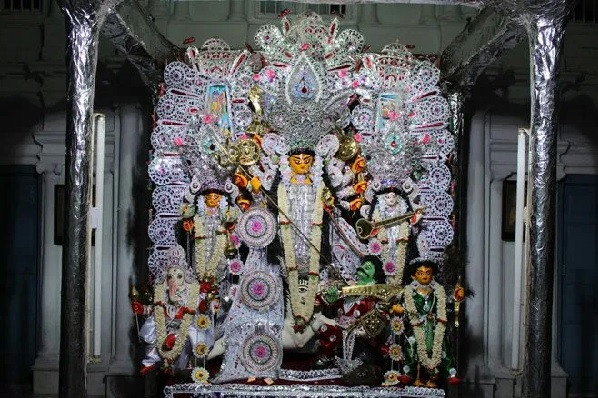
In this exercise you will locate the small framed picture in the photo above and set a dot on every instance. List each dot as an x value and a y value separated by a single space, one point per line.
59 214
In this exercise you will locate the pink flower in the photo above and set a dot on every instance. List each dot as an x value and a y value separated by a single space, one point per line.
390 268
426 139
304 46
256 226
342 73
178 141
375 247
260 351
256 77
271 74
258 289
235 267
207 119
355 84
358 137
235 239
392 115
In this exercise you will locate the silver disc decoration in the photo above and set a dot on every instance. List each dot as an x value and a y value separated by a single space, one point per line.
257 228
261 353
259 290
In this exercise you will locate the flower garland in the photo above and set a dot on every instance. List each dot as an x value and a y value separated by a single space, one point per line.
400 253
429 362
201 268
160 317
304 311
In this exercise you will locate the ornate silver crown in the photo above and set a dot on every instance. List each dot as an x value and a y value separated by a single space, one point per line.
304 99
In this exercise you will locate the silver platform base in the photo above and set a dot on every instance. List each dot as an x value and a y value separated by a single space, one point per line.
296 390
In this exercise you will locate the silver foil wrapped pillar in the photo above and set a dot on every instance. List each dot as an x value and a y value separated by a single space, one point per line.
83 21
545 40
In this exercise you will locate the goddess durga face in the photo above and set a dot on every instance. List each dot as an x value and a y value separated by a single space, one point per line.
301 163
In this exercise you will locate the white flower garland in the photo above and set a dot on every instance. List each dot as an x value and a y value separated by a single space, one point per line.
305 311
400 249
201 268
160 317
429 362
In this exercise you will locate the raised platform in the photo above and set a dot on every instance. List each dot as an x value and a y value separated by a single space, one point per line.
296 390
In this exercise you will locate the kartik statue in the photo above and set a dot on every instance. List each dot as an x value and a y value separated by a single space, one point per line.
427 354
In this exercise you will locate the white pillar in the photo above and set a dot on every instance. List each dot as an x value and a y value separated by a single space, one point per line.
122 360
475 241
495 276
45 369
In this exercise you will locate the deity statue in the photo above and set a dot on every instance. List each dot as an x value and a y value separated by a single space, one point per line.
267 125
173 322
300 219
209 218
391 204
427 355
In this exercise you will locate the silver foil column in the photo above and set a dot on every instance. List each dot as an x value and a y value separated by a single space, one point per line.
545 39
83 20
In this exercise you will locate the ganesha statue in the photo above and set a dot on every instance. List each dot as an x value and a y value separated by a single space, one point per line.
172 321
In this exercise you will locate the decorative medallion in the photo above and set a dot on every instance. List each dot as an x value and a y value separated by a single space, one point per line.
260 291
261 353
257 228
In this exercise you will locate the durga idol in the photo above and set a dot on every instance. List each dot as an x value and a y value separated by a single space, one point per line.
300 217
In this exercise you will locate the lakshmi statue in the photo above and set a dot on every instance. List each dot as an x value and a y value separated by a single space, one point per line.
426 352
209 219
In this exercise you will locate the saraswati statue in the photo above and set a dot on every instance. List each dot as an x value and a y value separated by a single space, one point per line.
294 184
